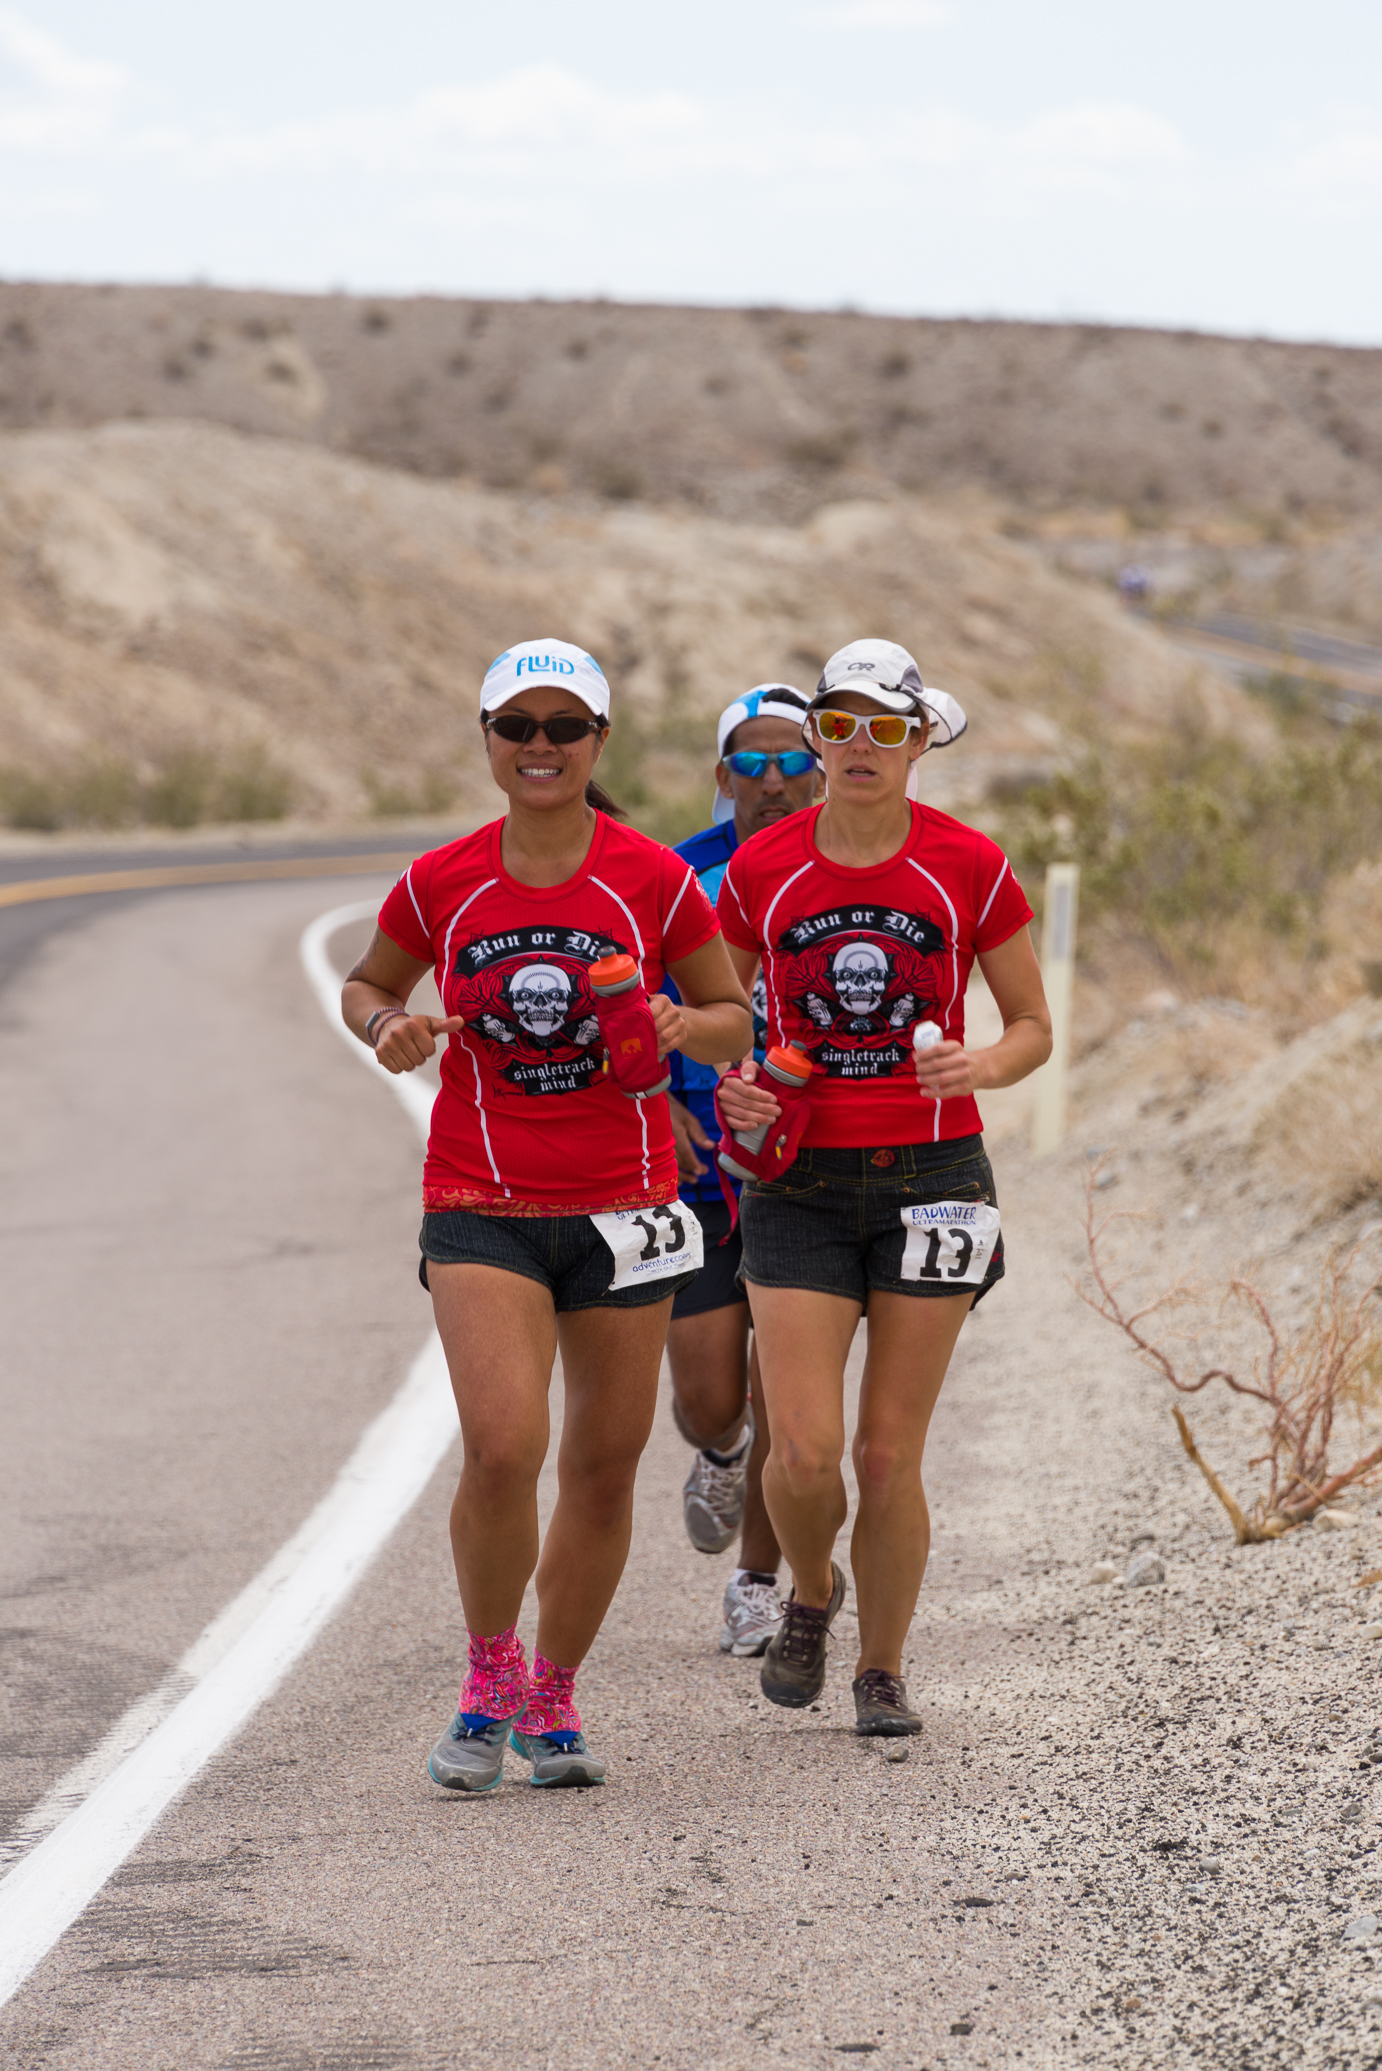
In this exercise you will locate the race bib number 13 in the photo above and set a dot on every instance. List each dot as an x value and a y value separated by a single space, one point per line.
651 1243
950 1242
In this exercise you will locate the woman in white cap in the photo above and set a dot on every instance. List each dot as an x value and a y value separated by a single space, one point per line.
551 1218
867 915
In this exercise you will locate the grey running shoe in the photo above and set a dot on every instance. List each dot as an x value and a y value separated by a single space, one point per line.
881 1710
753 1612
557 1758
793 1671
712 1499
469 1759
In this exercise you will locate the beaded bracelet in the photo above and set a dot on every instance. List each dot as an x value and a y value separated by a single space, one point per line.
376 1022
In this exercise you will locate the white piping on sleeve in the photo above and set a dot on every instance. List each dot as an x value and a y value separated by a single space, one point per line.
638 939
784 887
728 880
688 879
992 896
408 880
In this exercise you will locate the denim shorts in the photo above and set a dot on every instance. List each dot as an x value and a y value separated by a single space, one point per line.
833 1222
564 1253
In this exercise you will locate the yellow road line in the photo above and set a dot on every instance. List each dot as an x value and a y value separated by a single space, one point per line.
166 876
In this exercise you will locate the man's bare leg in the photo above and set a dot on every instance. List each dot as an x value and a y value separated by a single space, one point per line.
712 1364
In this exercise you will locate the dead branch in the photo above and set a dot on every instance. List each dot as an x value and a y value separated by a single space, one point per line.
1242 1530
1301 1383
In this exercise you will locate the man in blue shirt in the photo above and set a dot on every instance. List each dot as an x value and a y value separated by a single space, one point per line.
764 772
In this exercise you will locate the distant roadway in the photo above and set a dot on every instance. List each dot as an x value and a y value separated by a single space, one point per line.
1345 673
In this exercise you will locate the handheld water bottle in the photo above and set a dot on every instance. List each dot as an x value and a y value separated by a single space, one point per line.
791 1069
627 1028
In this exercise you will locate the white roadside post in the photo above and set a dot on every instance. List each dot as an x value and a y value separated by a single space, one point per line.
1058 975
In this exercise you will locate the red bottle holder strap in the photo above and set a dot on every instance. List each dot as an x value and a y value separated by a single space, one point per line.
780 1145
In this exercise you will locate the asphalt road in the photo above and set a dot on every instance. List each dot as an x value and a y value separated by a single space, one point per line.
209 1214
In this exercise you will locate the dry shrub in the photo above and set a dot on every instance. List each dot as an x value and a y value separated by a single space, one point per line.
1213 856
1305 1381
188 786
1353 913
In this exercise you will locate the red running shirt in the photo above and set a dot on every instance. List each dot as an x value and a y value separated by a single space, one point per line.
527 1122
853 959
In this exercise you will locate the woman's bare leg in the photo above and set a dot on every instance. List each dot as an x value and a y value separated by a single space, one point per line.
803 1342
758 1547
910 1342
499 1332
610 1358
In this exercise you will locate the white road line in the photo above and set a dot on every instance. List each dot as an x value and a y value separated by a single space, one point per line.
99 1812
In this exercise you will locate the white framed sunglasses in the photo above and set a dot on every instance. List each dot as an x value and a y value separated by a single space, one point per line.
885 729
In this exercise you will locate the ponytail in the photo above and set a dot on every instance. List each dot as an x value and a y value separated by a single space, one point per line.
600 799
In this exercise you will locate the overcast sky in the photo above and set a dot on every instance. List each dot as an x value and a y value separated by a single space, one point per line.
1215 164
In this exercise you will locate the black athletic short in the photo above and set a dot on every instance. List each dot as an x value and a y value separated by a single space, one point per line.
717 1285
564 1253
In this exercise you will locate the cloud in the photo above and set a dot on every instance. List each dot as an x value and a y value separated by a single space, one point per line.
50 99
544 179
1340 171
546 132
883 14
537 124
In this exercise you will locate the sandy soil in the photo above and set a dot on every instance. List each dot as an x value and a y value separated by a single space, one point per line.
175 589
756 413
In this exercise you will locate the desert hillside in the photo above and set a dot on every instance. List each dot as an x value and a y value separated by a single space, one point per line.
745 413
176 595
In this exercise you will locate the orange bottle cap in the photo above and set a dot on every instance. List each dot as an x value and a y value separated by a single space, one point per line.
613 970
793 1060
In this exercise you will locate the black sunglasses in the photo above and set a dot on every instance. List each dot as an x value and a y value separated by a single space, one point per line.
561 733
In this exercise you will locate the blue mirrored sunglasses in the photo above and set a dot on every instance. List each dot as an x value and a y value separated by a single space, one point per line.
749 763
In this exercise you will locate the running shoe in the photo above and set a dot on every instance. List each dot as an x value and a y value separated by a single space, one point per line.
753 1612
881 1710
793 1671
469 1757
558 1759
712 1499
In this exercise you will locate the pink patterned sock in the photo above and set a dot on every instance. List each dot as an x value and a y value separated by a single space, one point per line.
496 1684
551 1705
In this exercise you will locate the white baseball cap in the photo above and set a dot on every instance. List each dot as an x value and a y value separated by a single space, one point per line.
554 663
764 701
889 675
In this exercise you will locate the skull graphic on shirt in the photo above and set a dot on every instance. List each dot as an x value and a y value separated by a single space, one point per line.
540 995
859 976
